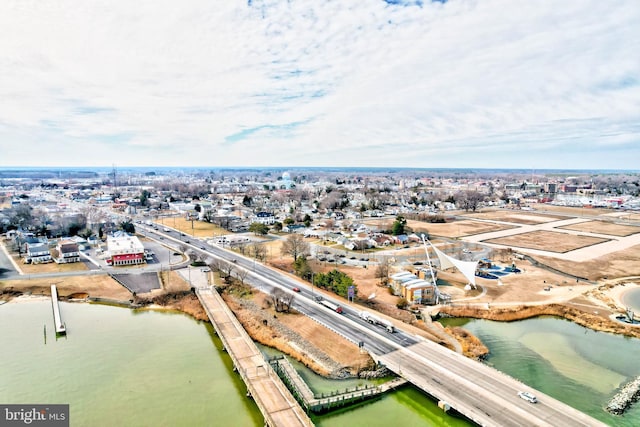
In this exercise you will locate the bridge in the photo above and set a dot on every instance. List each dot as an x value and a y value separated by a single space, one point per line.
479 392
275 401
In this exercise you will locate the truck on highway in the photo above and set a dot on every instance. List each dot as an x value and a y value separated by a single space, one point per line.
330 305
375 320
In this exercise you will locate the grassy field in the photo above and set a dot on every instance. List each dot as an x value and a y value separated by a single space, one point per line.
518 217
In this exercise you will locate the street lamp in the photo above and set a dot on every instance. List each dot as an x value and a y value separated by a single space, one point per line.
312 278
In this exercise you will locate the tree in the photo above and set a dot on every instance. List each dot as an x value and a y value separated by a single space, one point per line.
242 274
301 266
335 281
399 226
281 300
277 226
469 200
294 245
382 271
306 220
144 198
126 226
259 228
289 221
258 250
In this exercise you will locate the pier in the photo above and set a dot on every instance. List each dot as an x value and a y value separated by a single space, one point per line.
275 401
60 327
328 401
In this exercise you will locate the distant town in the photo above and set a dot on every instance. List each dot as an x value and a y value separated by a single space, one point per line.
386 250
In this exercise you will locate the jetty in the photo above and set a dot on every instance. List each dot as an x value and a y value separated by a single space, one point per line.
328 401
60 327
625 397
275 401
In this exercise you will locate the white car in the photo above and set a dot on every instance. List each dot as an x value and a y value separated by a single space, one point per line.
527 396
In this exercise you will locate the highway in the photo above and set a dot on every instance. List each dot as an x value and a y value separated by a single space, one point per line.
481 393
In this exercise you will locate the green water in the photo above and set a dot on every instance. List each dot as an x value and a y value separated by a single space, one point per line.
575 365
146 368
120 367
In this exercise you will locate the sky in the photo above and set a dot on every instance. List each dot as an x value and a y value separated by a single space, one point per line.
453 84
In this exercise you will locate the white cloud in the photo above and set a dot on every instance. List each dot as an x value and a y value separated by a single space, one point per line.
302 83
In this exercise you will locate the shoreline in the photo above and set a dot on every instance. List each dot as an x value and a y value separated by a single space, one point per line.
623 295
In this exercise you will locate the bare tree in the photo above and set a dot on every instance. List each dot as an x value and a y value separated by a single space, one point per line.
227 268
258 250
382 271
242 273
294 245
281 300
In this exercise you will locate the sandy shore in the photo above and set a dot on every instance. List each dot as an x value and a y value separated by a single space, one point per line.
620 295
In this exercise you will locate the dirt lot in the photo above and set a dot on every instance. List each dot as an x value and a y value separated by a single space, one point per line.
79 286
603 227
195 228
547 240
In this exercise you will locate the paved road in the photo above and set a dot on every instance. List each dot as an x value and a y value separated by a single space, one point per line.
474 389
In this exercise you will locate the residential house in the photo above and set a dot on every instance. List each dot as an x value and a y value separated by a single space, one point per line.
38 253
67 251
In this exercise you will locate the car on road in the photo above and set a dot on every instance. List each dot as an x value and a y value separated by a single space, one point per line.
202 247
296 289
527 396
166 230
205 270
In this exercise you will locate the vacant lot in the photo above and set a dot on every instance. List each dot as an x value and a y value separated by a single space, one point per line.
456 228
193 228
547 241
518 217
603 227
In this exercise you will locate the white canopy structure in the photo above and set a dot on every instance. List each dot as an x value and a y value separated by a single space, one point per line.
467 268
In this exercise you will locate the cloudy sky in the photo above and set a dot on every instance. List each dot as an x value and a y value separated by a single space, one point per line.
463 83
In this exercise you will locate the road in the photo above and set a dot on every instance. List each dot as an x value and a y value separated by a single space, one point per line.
478 391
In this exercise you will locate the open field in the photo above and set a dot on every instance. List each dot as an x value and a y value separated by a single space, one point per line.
192 228
603 227
518 217
456 228
547 241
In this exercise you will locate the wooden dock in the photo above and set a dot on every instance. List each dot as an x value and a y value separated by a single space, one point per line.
275 401
61 328
328 401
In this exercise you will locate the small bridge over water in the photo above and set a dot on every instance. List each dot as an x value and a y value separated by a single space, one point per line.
275 401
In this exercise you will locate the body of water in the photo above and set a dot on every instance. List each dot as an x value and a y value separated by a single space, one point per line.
571 363
119 367
632 300
148 368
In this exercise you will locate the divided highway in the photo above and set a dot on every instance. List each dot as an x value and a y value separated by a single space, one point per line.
481 393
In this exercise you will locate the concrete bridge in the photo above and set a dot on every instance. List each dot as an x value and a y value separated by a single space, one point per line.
275 401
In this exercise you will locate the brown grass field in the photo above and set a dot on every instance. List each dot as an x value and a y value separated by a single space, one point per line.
51 267
519 217
457 228
200 228
603 227
547 240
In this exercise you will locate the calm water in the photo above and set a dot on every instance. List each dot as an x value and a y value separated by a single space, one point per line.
632 299
575 365
120 367
127 368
